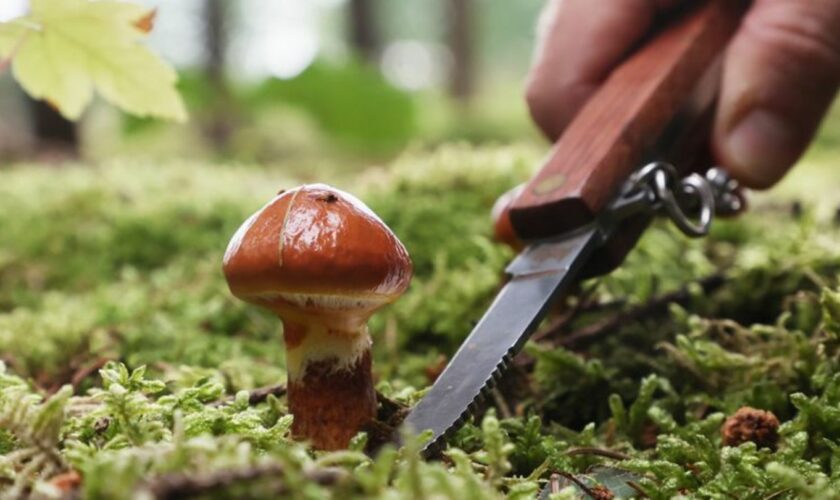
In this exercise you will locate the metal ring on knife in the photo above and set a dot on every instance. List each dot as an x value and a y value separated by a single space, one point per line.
692 186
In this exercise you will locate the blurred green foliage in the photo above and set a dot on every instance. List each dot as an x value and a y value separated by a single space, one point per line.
117 266
343 110
199 97
352 103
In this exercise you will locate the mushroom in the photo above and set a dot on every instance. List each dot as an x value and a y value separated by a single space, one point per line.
323 262
502 226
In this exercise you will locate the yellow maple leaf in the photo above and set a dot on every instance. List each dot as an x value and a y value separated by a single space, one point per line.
65 50
11 35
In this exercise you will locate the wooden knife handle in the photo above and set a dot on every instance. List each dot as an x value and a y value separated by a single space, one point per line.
658 94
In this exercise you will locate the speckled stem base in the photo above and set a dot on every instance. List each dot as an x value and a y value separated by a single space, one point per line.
330 405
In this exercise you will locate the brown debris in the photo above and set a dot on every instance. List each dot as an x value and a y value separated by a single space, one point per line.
601 492
382 430
101 425
649 436
83 372
751 424
554 483
146 23
177 485
434 370
390 412
597 492
67 481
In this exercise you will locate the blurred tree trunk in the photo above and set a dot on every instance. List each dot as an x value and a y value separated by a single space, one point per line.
217 126
54 134
364 35
461 15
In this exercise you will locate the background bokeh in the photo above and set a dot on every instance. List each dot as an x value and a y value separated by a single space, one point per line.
323 88
349 80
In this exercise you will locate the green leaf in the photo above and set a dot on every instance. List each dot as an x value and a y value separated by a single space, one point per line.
11 34
67 49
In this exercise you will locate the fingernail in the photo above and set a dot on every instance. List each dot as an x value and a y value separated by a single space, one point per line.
763 145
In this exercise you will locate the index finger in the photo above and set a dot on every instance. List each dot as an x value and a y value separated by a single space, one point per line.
580 42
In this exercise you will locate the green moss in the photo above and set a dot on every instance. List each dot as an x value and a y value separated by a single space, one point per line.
121 262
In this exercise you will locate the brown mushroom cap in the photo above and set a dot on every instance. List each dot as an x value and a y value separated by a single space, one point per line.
317 250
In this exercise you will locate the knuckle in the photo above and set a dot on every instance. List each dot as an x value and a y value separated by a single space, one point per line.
540 100
543 104
800 33
535 96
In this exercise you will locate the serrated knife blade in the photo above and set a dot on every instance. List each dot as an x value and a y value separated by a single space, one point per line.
538 276
658 106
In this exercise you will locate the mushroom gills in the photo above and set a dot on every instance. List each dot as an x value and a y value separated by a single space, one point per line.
326 302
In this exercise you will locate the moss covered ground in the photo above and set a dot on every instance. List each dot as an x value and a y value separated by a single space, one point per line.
129 371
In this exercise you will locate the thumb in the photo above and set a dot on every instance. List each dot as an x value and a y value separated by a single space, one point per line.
780 76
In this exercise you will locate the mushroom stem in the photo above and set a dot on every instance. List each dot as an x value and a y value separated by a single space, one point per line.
330 389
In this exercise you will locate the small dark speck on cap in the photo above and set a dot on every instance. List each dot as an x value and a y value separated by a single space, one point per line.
329 198
281 192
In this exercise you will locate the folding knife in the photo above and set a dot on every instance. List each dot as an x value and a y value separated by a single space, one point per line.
590 202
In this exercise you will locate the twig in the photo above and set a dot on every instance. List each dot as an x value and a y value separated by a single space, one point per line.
568 314
554 335
776 494
556 324
390 409
657 304
555 483
12 363
380 430
580 484
184 485
636 486
597 451
256 396
86 371
504 409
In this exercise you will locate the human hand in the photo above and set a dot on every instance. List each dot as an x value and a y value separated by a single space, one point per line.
780 74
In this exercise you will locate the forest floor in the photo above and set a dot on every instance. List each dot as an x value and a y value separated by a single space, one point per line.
129 371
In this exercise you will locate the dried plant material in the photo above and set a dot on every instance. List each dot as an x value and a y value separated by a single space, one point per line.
147 22
67 481
751 425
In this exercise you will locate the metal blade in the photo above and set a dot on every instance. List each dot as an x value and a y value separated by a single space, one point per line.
539 274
